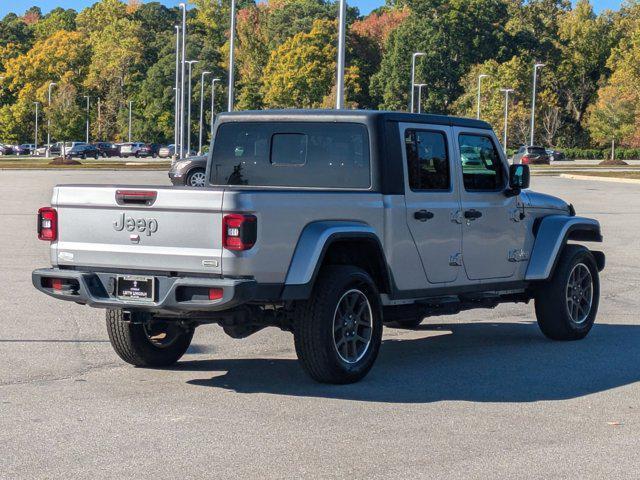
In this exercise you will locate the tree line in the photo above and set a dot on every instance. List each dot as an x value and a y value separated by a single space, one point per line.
116 52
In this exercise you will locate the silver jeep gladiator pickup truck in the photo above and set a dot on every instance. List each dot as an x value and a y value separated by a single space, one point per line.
327 224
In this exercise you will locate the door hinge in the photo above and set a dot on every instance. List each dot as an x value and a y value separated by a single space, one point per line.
457 217
455 260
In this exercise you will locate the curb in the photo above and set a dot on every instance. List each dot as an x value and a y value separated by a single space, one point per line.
600 179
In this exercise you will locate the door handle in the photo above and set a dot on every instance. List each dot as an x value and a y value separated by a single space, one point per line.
422 215
472 214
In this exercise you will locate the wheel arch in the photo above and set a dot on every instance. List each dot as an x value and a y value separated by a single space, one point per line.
552 234
335 243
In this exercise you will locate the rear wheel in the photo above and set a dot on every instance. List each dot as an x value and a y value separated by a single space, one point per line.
338 332
566 306
145 342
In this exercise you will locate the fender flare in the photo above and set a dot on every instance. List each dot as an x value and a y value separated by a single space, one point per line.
552 234
312 246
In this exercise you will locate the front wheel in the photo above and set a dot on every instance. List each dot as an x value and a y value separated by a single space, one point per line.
338 332
566 306
196 178
145 342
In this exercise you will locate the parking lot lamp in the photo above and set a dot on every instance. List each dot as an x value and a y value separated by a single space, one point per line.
213 103
183 6
506 92
533 100
130 108
190 62
51 85
176 109
340 66
232 35
35 143
420 85
201 111
480 77
413 76
88 100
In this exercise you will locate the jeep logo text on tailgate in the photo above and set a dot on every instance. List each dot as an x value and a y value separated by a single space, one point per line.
130 224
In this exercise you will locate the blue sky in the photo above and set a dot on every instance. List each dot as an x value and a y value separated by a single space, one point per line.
365 6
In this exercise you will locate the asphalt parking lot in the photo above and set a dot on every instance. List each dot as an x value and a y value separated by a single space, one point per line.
479 395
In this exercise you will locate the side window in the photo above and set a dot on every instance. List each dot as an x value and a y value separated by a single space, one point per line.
482 168
427 160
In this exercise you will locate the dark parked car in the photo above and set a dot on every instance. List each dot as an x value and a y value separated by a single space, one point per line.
83 151
6 149
107 149
531 155
25 149
149 150
556 155
190 172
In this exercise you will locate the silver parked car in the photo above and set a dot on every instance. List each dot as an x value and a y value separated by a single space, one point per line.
167 151
327 224
130 149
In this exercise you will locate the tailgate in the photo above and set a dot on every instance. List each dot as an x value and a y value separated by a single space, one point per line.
143 228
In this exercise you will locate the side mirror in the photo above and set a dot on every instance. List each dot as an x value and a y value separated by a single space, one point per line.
519 178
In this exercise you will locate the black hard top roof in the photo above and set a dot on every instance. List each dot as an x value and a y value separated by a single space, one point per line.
349 115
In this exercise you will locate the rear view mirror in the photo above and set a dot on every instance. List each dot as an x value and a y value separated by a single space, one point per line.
519 177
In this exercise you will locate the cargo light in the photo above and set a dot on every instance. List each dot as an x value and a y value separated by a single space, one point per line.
48 224
239 232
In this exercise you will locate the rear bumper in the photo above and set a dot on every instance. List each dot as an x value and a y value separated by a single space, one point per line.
173 294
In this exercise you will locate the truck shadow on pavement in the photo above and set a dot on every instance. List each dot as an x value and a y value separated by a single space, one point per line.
478 362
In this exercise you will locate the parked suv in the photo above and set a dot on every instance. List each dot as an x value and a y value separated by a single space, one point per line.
148 150
326 224
532 156
107 149
130 149
167 152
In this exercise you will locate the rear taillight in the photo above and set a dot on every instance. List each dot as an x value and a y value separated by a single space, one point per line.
526 159
48 224
239 232
216 293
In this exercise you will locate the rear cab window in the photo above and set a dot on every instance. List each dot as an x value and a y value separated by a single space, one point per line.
427 160
292 154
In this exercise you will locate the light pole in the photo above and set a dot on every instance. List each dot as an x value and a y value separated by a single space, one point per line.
232 35
506 92
130 109
88 100
99 119
413 75
176 111
51 85
420 85
201 111
213 102
35 143
533 101
183 6
190 62
480 77
340 66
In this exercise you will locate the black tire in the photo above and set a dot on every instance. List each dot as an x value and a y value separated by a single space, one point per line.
560 316
315 333
130 340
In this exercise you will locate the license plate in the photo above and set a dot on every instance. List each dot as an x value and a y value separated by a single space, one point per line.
136 288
